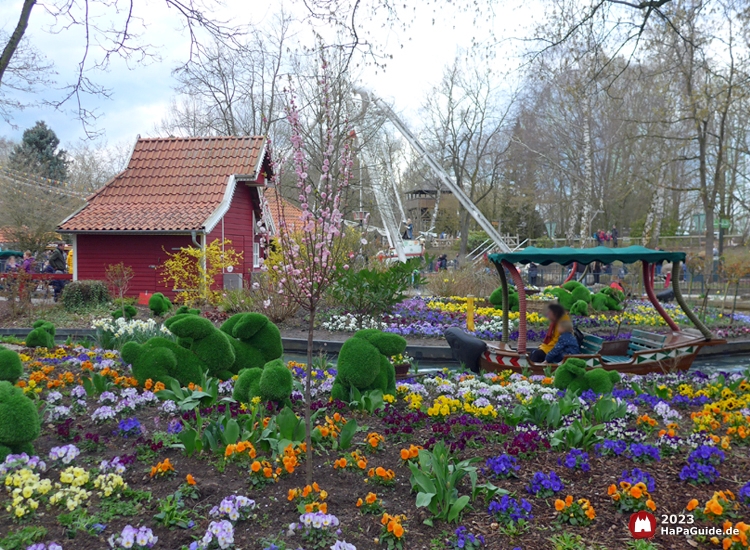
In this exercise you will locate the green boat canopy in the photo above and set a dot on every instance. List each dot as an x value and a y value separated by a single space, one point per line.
8 253
567 255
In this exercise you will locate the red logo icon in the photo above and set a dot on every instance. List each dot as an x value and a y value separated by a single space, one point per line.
642 525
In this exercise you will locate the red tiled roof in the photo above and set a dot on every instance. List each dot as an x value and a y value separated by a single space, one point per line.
279 207
170 184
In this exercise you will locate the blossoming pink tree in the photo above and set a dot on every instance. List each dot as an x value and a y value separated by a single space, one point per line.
312 248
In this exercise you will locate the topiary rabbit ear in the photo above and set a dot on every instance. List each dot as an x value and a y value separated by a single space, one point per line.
190 326
386 343
249 325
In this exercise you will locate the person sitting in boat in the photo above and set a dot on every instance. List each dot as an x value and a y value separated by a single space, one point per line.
555 313
567 344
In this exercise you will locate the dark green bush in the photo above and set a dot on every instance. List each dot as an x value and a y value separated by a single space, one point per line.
372 292
19 421
11 367
83 295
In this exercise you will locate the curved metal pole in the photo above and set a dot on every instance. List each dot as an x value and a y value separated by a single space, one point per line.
582 278
521 305
648 271
683 304
504 284
572 273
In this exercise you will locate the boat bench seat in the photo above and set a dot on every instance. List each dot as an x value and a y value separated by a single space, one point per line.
640 340
591 345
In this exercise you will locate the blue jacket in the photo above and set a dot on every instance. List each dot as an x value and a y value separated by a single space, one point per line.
566 345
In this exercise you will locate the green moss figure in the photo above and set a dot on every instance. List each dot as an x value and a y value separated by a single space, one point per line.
573 376
602 381
256 340
271 383
247 385
212 347
276 382
564 298
159 304
579 308
11 367
160 360
618 295
130 313
19 421
185 309
578 291
496 298
201 347
42 335
604 301
363 363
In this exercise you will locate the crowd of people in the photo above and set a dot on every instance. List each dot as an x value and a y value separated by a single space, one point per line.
52 261
602 237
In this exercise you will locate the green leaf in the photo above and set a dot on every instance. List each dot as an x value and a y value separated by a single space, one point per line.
457 508
424 499
347 434
231 432
421 480
287 422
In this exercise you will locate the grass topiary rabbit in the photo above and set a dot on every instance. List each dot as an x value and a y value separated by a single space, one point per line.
201 348
42 335
271 383
130 312
256 340
573 376
19 421
11 367
159 304
496 298
363 363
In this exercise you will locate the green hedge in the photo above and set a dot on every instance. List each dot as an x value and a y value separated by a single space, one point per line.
82 295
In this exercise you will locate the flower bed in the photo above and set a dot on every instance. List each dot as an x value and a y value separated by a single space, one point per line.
115 466
430 317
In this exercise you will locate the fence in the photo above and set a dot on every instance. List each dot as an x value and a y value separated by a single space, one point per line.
674 242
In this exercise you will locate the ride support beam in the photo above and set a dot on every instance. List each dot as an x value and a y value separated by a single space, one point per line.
676 275
521 305
572 274
504 285
648 282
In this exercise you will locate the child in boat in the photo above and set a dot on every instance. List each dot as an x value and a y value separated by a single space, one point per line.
567 344
555 313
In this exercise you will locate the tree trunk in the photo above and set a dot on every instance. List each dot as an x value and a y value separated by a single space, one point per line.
465 217
16 37
708 269
308 398
588 184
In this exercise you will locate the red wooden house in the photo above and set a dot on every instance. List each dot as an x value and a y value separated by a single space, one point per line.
175 192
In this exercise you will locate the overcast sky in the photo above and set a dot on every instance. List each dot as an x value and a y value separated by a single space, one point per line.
141 92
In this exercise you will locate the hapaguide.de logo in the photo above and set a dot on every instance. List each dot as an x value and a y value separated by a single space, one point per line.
642 525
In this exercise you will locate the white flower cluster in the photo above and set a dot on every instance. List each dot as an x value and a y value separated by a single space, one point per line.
348 323
65 454
121 327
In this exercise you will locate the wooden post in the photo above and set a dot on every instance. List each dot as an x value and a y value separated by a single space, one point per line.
470 313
